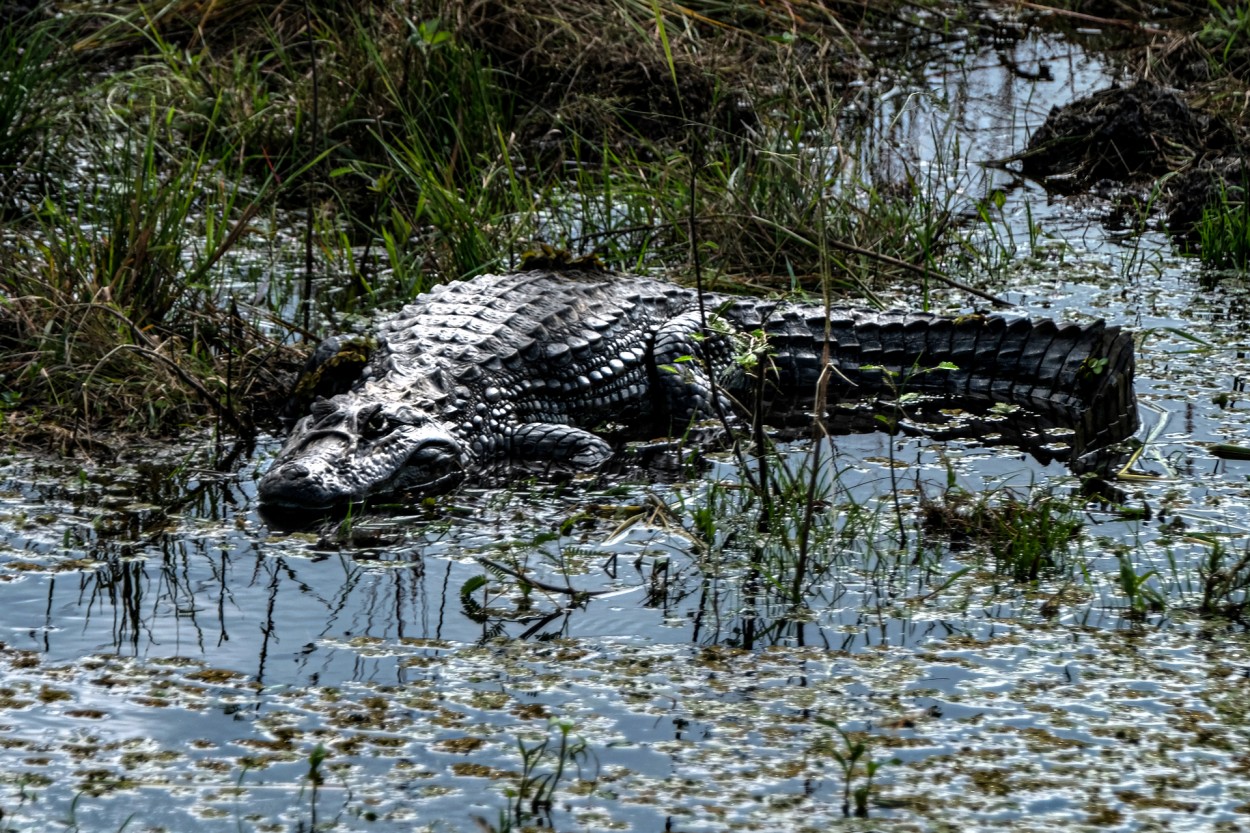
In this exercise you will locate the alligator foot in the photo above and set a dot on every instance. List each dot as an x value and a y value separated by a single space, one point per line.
564 445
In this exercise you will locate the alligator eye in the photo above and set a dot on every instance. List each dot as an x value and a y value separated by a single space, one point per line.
376 424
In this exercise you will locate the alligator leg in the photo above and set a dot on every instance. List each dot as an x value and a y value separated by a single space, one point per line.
546 442
681 352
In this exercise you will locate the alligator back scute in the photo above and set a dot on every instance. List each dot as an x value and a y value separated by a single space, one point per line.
1034 354
963 352
893 351
1013 375
980 368
930 336
920 332
1113 412
1061 362
749 314
1081 341
1008 375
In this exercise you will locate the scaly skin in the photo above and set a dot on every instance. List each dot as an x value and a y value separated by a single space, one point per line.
524 367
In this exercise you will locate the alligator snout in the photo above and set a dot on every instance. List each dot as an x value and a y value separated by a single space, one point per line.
295 484
349 451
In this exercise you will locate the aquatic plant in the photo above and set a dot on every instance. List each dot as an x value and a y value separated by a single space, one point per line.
1225 580
535 790
1223 231
315 778
779 535
852 756
1139 590
481 611
1026 535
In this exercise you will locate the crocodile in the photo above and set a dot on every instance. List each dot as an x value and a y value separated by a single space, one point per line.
532 367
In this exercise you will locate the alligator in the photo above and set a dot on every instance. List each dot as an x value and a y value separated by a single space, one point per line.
533 367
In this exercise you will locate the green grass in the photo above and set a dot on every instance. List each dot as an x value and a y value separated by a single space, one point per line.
1225 580
1027 536
34 67
1223 231
111 308
430 137
852 755
1226 35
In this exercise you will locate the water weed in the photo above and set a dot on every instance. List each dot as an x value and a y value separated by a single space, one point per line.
543 765
1225 580
315 779
1140 592
1027 536
852 757
1223 231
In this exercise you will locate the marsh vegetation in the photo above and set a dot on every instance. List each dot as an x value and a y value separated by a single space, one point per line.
188 191
786 636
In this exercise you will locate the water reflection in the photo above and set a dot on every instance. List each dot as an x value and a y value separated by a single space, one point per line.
210 579
226 642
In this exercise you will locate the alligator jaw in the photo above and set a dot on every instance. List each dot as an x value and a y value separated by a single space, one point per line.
322 469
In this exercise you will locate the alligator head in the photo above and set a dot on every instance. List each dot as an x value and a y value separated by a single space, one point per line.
349 449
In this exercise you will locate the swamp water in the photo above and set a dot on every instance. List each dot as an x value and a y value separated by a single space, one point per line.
171 663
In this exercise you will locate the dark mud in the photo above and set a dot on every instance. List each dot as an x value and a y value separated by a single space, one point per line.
1128 143
1126 134
1220 181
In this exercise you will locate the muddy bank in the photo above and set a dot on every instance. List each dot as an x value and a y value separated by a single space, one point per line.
1127 134
1137 138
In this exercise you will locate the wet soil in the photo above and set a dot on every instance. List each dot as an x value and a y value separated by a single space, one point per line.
1124 141
1127 134
1219 181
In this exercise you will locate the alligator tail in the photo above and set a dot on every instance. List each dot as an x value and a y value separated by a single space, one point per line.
1078 375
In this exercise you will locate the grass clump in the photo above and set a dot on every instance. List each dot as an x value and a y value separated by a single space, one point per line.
109 317
1225 582
1223 231
451 126
1027 536
32 67
443 180
1141 595
1225 35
